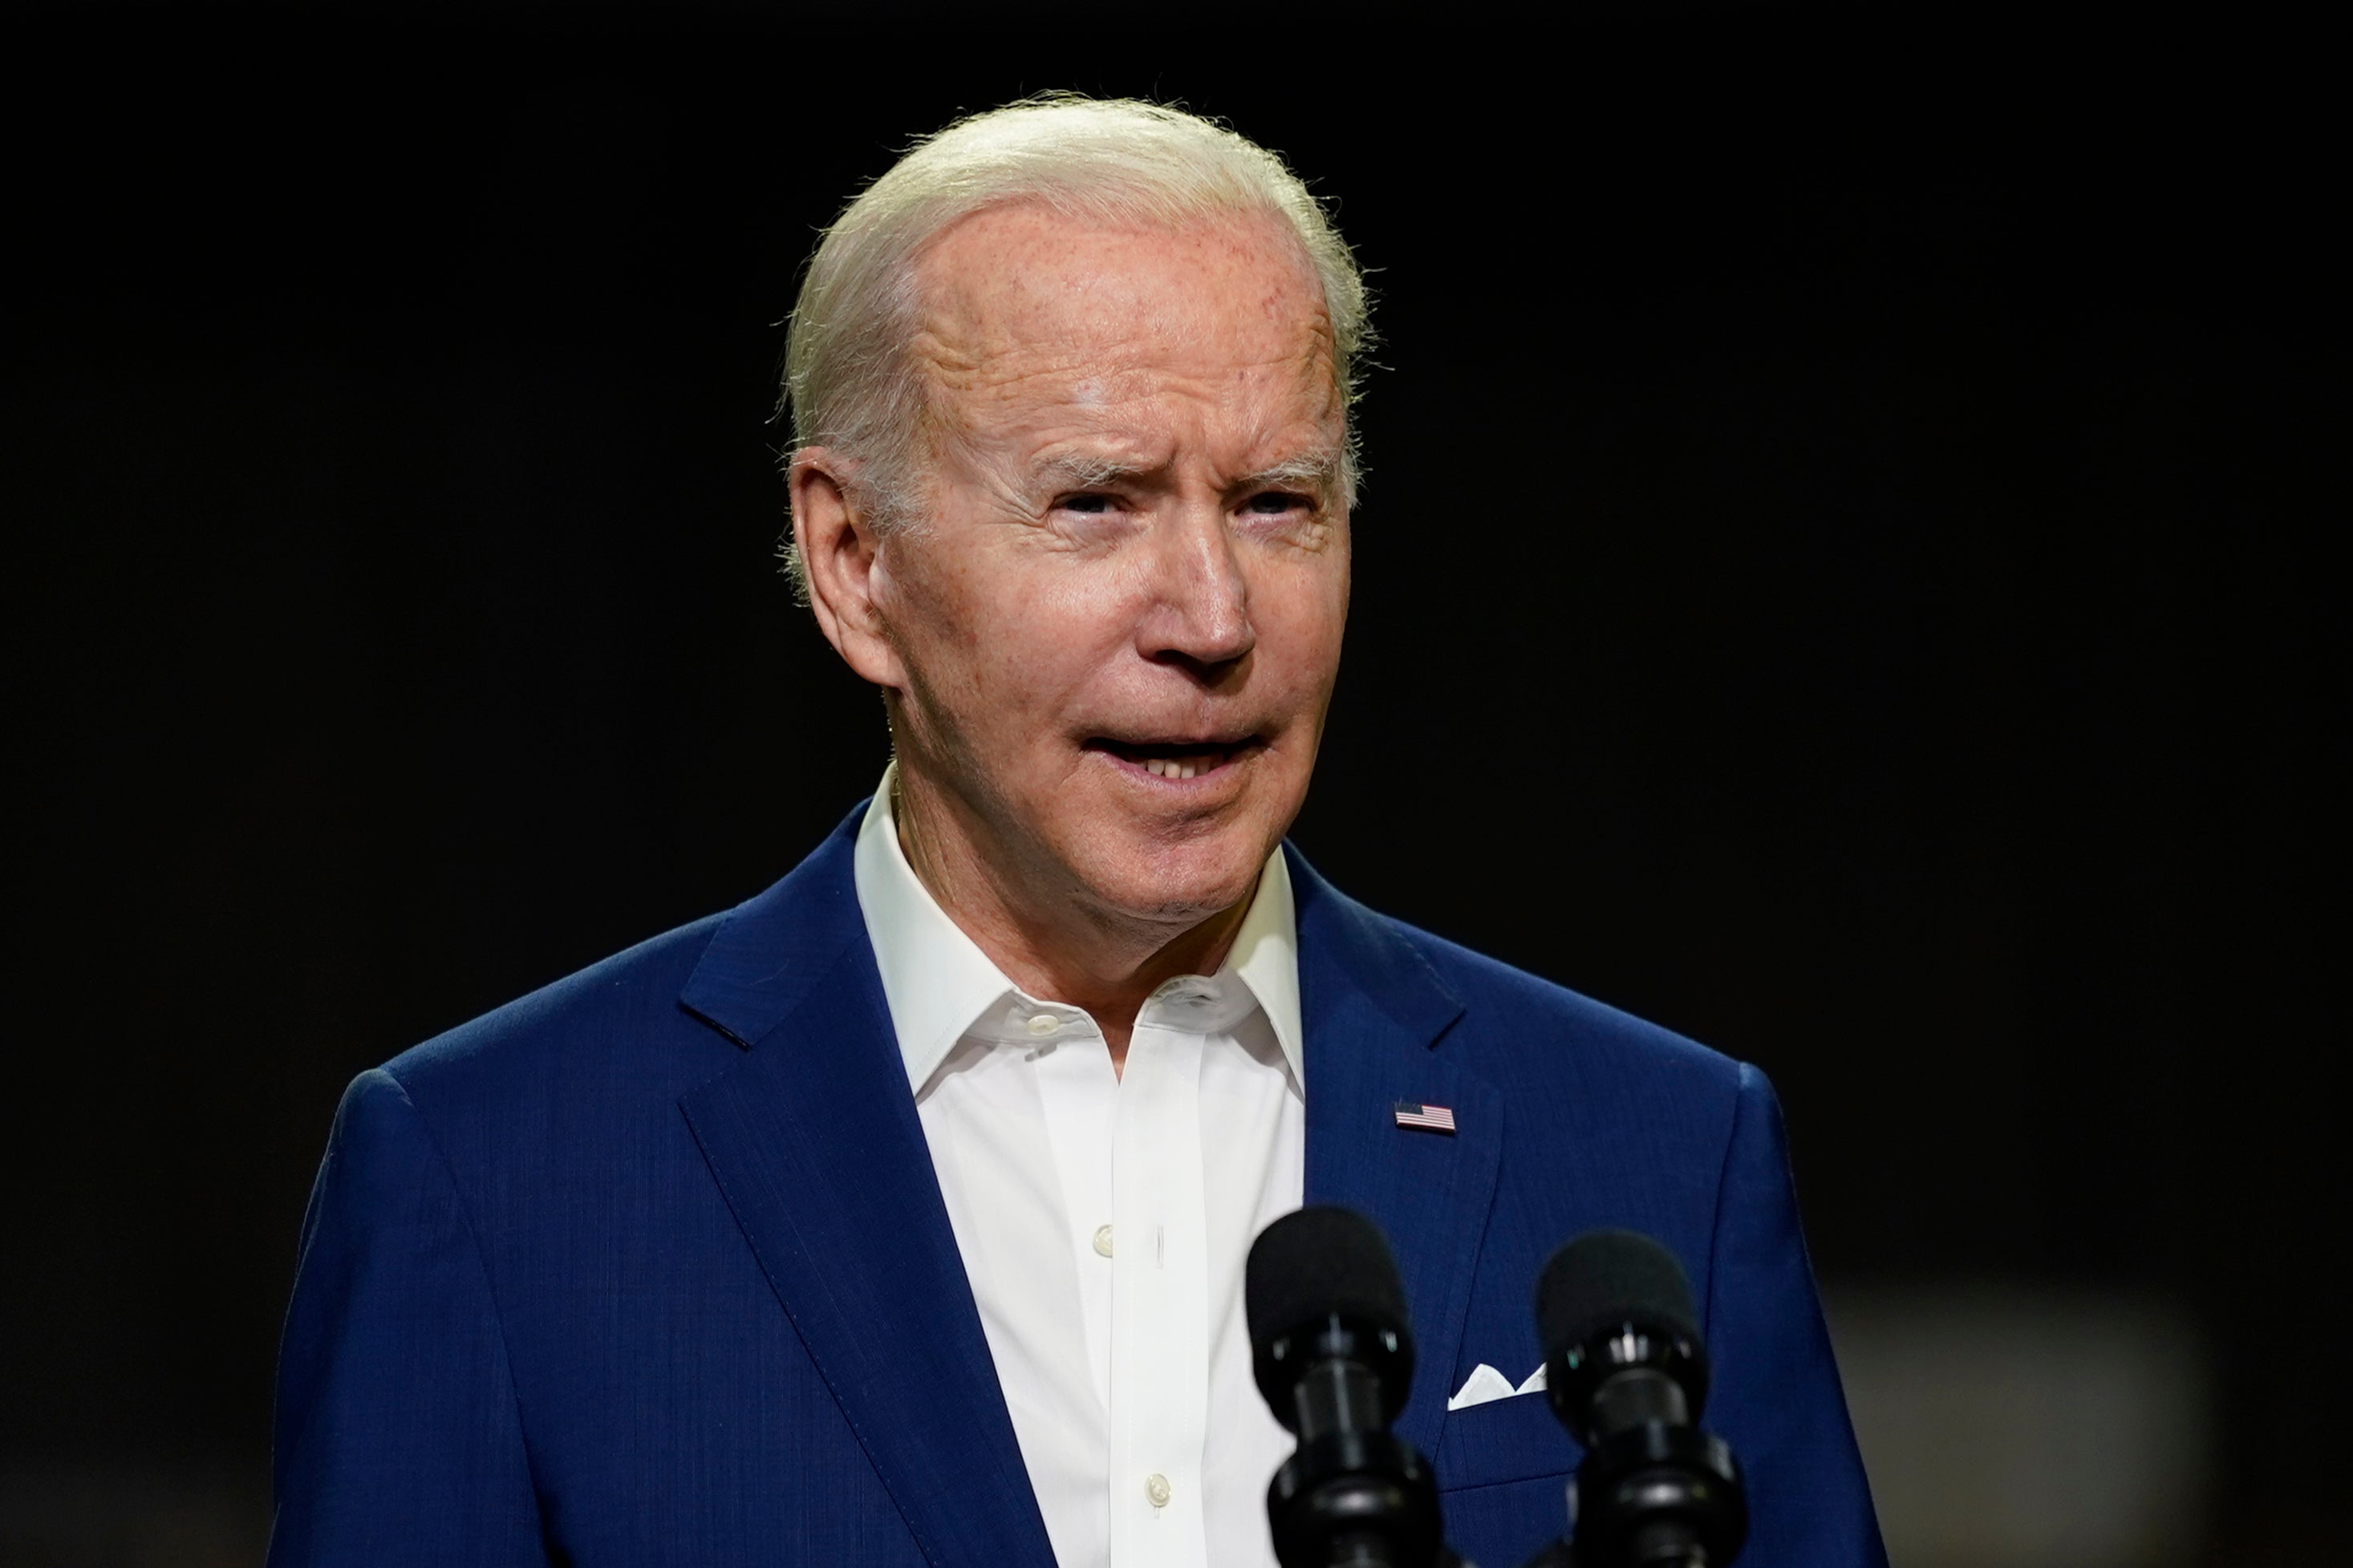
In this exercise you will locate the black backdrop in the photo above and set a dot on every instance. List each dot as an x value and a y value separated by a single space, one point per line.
1842 574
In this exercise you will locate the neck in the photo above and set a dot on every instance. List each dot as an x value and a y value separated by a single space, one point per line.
1052 940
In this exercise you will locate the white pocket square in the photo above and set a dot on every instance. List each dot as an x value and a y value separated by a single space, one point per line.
1485 1383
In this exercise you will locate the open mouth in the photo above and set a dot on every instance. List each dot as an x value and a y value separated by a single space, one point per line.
1174 759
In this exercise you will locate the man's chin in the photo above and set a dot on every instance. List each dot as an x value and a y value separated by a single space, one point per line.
1176 886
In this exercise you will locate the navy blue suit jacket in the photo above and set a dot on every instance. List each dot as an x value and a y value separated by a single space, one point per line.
650 1267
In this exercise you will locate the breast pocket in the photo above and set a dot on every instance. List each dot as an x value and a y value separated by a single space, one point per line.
1512 1439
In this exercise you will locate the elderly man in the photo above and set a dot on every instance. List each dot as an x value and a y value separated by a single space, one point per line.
899 1214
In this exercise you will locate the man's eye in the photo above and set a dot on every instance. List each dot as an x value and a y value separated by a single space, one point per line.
1274 503
1087 505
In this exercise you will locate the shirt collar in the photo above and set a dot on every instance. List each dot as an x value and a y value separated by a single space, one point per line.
938 984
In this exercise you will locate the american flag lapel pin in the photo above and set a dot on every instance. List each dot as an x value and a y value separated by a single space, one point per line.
1425 1118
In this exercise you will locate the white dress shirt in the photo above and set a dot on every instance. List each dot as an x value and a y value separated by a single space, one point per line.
1105 1219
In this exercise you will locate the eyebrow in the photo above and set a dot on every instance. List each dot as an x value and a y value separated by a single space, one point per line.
1319 468
1077 471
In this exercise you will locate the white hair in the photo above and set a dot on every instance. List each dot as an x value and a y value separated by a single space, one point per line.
850 384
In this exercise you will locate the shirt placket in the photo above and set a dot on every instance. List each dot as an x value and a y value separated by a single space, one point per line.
1079 1096
1160 1375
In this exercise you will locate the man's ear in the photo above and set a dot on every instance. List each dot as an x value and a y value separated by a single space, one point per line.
836 542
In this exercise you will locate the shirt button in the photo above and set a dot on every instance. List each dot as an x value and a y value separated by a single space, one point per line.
1103 1240
1044 1024
1155 1490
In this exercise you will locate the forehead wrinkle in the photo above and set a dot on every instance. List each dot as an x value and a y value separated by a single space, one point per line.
1006 365
1100 377
1128 435
974 342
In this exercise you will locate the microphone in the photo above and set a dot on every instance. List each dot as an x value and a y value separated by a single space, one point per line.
1626 1372
1334 1356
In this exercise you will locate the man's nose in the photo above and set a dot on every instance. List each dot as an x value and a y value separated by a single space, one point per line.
1201 613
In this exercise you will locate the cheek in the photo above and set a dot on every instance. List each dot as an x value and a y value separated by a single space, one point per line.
1008 655
951 654
1300 630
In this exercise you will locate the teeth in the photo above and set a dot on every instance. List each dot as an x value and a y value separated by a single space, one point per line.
1172 768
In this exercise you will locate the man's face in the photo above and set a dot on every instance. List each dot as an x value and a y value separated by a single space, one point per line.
1119 629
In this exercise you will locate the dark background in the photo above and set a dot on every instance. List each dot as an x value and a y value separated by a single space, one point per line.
1842 574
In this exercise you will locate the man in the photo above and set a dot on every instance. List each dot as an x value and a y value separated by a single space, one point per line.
899 1214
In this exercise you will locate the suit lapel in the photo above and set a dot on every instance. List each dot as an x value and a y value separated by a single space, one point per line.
1375 1012
813 1140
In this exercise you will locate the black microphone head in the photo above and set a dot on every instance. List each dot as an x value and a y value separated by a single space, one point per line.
1606 1279
1308 1267
1597 1288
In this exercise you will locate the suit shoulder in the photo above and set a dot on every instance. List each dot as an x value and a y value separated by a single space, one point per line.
606 1053
1515 1024
583 1027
